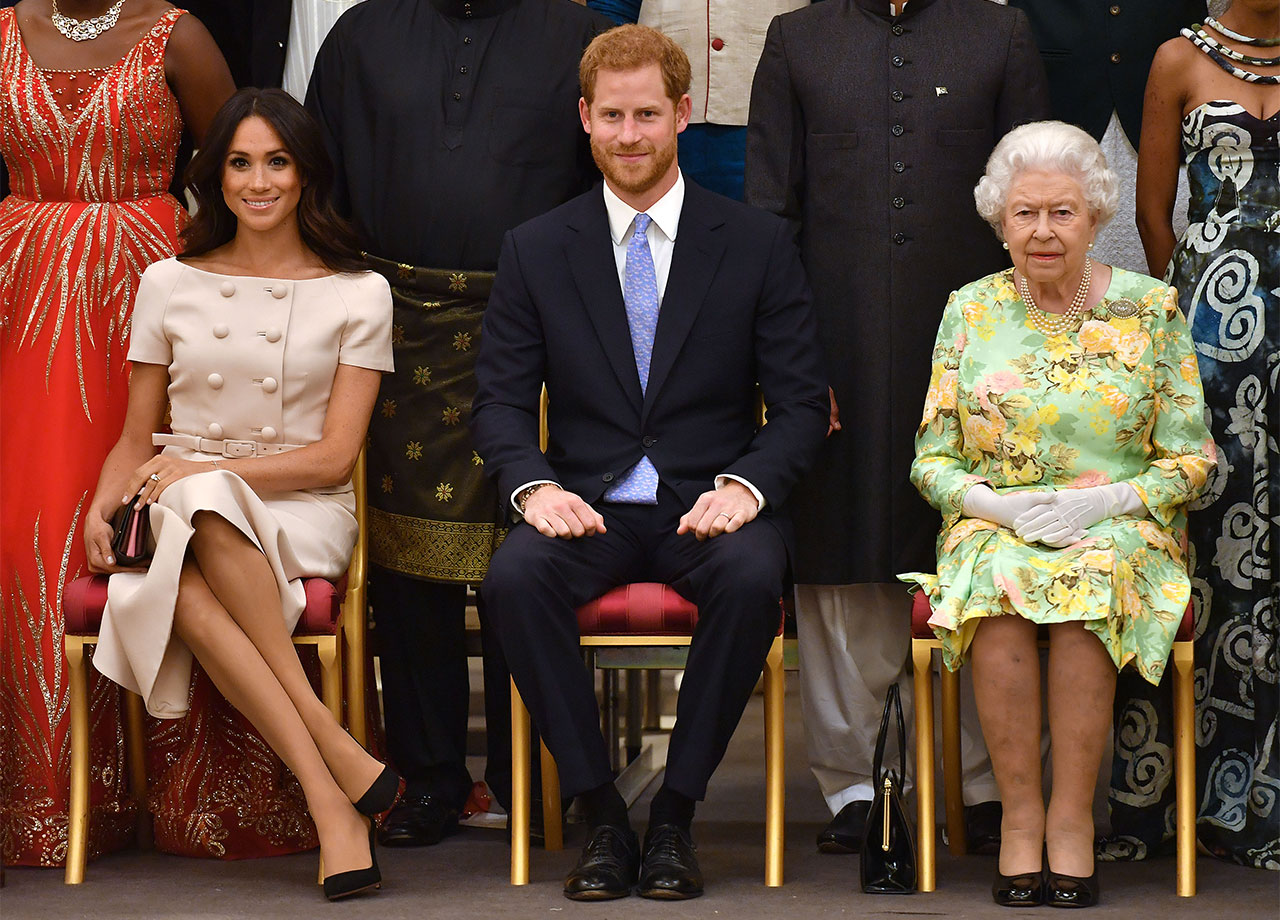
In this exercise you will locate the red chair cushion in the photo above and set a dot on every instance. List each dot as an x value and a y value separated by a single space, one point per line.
85 598
921 611
643 609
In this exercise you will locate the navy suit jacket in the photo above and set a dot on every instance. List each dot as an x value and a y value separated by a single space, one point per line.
735 312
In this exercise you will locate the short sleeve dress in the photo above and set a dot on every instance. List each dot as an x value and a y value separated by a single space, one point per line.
1119 400
250 359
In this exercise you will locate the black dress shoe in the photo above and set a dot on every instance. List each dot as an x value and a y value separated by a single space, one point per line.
418 821
982 828
1072 891
669 868
608 865
1025 890
844 833
381 795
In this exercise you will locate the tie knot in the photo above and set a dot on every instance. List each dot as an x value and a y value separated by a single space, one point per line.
642 224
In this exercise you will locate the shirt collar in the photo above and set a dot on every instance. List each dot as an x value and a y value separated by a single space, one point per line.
665 212
880 8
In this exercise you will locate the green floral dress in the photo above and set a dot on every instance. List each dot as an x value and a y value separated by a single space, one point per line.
1117 401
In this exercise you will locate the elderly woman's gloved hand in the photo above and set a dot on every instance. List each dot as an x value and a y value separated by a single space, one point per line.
982 502
1071 512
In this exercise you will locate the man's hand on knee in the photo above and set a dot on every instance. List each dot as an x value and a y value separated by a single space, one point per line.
722 510
559 513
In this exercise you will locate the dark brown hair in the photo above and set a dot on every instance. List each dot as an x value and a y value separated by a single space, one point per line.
629 47
323 230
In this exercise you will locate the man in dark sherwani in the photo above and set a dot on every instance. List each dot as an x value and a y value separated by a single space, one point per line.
870 125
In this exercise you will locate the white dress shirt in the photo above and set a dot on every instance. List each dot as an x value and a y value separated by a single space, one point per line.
664 223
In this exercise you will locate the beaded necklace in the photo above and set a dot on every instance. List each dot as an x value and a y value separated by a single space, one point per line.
83 30
1240 73
1233 53
1237 37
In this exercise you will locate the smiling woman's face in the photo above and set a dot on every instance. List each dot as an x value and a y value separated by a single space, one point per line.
1048 226
260 181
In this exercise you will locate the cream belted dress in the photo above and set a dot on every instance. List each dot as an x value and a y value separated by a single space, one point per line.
250 360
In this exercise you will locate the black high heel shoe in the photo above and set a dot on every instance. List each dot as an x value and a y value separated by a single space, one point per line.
1072 891
1024 890
344 884
381 795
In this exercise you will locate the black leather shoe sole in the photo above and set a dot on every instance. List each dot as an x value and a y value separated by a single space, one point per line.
669 894
597 894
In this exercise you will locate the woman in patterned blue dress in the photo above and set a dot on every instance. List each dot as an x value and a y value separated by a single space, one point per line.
1213 100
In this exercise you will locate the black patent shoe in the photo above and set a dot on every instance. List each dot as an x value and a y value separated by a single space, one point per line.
669 868
1024 890
608 866
845 831
344 884
1072 891
418 821
381 795
982 828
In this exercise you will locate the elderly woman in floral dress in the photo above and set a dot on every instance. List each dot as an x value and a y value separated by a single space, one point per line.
1062 438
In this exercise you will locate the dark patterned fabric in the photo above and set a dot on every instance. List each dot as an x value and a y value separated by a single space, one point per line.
1226 268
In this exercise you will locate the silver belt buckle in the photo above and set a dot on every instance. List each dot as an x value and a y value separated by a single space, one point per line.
239 449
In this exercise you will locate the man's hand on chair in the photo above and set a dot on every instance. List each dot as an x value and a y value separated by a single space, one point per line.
722 510
559 513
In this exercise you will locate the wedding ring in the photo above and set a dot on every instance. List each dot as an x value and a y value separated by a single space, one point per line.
724 515
154 477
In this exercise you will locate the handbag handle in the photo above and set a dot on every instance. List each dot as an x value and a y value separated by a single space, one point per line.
892 709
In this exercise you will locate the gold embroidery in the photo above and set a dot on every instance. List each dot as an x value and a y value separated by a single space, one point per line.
451 416
388 484
431 305
388 408
476 459
444 492
462 341
458 281
422 375
439 550
413 450
397 335
403 271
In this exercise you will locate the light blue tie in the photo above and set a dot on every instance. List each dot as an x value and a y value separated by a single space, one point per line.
640 294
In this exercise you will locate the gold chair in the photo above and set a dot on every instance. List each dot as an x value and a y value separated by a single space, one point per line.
325 624
923 642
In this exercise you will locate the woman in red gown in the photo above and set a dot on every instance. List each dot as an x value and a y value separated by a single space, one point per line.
93 97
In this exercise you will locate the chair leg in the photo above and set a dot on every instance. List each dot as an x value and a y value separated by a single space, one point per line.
78 817
552 826
354 670
922 666
520 791
774 765
1184 746
134 731
330 675
952 787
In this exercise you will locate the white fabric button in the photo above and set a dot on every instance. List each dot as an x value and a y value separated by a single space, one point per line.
227 289
273 334
215 381
215 431
221 330
269 384
279 291
268 433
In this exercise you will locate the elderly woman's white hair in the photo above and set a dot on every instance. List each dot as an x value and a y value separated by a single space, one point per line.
1048 146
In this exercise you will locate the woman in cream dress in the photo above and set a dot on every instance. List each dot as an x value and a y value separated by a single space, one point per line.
268 348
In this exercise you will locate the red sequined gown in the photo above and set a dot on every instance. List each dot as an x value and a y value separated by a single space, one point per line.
90 156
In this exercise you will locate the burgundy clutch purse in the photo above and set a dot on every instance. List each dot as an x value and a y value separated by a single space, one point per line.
131 534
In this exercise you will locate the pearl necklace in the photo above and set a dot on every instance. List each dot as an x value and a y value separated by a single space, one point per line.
83 30
1057 323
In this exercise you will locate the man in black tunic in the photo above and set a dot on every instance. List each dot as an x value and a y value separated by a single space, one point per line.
449 122
870 124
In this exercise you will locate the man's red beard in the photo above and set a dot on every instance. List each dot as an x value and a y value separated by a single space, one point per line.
637 179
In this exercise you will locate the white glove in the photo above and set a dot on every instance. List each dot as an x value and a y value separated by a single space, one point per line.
1073 511
981 502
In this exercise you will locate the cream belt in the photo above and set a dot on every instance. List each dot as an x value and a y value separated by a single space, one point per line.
228 448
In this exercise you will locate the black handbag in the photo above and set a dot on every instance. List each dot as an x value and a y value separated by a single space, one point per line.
888 861
131 534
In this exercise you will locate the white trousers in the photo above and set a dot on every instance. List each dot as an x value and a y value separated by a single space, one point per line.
854 641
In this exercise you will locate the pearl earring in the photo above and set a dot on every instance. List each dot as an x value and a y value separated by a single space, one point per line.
1090 244
1006 245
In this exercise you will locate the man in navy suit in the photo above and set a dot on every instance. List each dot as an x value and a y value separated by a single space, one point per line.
651 309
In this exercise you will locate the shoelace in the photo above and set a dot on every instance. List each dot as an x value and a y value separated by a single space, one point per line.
665 846
600 848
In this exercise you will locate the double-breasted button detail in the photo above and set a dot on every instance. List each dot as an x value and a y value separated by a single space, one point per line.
221 330
279 291
227 289
215 381
269 384
214 431
273 334
269 434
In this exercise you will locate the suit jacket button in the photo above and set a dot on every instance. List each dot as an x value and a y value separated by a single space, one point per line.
269 384
279 291
273 334
268 434
215 431
227 289
897 130
221 330
717 44
898 60
607 477
215 381
648 441
899 238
